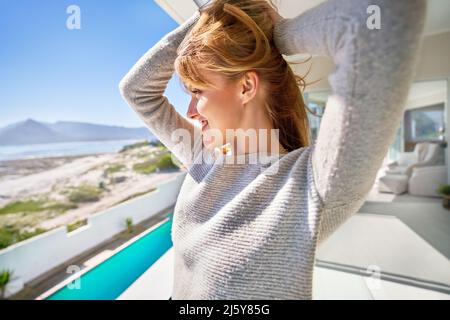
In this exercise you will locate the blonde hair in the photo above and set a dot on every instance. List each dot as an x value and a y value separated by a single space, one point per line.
232 37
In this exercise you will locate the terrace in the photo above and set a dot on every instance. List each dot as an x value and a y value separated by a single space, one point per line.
396 247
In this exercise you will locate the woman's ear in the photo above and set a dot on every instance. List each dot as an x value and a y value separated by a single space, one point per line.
249 86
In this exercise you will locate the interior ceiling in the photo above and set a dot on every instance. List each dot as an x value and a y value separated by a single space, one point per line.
418 90
438 14
437 21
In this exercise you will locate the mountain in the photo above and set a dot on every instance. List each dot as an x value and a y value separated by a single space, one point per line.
80 131
31 132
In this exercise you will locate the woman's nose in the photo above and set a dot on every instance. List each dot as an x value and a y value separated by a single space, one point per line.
192 109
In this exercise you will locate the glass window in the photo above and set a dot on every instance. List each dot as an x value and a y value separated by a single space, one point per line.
424 124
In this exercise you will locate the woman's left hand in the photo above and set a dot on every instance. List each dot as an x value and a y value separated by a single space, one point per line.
274 15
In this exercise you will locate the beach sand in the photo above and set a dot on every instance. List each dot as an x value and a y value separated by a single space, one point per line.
53 179
10 169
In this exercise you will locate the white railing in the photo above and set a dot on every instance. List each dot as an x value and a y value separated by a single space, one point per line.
35 256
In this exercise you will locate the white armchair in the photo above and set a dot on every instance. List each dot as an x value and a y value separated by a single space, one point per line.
424 154
425 180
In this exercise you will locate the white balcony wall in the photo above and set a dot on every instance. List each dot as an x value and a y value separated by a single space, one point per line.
33 257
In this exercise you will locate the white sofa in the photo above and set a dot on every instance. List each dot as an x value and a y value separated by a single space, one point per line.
425 180
419 172
424 154
393 183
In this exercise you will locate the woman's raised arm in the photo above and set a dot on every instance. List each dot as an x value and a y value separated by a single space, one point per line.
143 88
374 70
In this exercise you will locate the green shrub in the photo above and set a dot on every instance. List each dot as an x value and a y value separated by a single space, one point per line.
114 168
6 238
156 143
75 225
23 206
129 224
101 185
444 189
11 235
134 146
85 193
5 277
61 207
164 162
36 206
145 167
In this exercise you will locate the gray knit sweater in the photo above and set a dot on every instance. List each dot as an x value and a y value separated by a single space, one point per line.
240 231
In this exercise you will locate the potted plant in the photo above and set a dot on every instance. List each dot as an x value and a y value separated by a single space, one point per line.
444 190
5 277
129 224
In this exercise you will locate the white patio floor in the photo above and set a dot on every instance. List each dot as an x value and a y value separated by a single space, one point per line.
410 267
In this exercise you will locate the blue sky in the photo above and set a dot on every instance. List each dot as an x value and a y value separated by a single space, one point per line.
51 73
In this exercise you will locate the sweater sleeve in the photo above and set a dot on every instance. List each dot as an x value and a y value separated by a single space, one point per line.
143 88
369 88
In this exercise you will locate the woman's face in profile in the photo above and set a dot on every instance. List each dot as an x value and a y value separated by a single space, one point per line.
216 109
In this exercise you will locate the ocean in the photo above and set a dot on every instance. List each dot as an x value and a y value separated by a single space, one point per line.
62 149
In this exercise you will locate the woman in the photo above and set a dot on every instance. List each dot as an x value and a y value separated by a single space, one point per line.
243 230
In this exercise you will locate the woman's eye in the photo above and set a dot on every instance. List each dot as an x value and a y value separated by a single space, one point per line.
196 91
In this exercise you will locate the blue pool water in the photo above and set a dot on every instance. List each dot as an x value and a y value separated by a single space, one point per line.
113 276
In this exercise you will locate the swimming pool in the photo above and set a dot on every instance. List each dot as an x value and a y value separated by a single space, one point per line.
107 280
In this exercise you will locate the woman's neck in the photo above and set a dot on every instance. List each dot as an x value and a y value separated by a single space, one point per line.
257 134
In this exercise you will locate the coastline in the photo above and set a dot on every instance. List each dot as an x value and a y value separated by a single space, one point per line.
10 169
67 189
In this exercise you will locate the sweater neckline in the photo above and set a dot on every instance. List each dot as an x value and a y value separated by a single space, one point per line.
248 158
